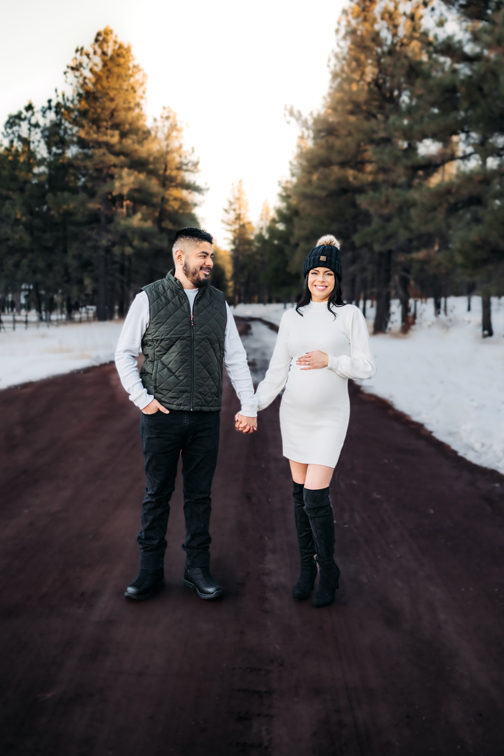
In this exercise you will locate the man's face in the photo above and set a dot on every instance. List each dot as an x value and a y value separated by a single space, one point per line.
198 263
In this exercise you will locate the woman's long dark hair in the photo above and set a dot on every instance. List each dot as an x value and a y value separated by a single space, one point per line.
335 298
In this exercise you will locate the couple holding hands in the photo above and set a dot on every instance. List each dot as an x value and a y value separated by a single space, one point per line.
186 332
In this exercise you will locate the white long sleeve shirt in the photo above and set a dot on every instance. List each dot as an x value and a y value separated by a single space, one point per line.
129 347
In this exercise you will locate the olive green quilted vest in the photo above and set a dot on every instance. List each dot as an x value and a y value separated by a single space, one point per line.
184 354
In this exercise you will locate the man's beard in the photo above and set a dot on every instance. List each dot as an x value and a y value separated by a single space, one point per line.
193 275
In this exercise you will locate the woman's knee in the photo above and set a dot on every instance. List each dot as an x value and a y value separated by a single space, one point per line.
318 477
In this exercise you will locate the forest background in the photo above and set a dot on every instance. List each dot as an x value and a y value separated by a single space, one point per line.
403 163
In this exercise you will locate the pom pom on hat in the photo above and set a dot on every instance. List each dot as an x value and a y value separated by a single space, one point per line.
328 241
325 254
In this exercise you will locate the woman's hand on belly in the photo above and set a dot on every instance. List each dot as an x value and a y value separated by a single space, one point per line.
313 360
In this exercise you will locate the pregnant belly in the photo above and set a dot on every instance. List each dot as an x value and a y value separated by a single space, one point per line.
315 389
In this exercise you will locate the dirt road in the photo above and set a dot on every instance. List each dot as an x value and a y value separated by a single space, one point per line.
408 661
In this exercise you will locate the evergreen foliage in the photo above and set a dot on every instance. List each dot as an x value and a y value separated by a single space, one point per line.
354 167
467 200
241 240
90 193
403 162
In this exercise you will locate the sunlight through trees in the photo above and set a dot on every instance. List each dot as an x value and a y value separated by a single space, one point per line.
403 162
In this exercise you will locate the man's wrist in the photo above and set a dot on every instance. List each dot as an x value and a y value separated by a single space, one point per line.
248 411
145 402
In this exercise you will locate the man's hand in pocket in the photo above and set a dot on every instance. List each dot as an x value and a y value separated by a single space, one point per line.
154 407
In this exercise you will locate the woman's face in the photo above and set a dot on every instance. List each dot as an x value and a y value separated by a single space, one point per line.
321 283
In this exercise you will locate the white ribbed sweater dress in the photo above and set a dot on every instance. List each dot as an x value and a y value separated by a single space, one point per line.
315 407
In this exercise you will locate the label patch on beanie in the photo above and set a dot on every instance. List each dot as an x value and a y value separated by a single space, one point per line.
322 257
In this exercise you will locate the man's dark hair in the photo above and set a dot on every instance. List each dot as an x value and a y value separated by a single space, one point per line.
193 233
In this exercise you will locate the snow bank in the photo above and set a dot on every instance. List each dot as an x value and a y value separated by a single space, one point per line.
259 345
270 312
29 355
442 374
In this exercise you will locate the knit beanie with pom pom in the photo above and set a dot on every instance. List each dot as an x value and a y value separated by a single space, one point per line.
326 254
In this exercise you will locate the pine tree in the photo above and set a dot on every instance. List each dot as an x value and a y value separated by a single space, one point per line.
22 221
280 276
136 179
106 110
164 199
466 99
259 284
241 240
90 195
354 169
64 204
222 271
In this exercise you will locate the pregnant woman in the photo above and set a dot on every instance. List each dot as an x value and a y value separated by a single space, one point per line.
321 344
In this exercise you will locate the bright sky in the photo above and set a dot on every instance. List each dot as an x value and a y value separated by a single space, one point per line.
228 69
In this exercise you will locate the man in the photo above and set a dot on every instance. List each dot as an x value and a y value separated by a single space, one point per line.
185 330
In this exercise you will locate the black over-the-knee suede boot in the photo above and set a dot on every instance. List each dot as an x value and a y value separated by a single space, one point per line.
304 585
320 513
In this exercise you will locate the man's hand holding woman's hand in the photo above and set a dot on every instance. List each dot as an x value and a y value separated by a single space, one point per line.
242 423
154 407
313 360
245 424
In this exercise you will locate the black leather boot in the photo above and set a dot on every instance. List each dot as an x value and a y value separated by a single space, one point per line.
320 513
304 585
145 584
199 579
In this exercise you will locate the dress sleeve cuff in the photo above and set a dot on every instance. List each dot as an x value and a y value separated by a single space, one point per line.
333 362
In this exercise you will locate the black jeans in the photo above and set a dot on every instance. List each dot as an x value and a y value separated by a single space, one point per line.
165 437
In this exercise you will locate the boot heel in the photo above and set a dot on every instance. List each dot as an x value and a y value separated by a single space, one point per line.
327 588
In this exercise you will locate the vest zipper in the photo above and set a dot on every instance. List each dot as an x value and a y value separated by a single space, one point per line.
193 371
192 360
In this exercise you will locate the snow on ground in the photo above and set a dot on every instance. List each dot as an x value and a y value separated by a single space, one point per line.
270 312
259 344
442 373
35 353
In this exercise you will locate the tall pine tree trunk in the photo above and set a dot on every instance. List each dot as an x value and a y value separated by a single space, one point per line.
403 281
364 295
111 285
471 287
236 275
486 321
129 263
436 292
101 275
383 278
101 271
122 286
38 301
47 307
